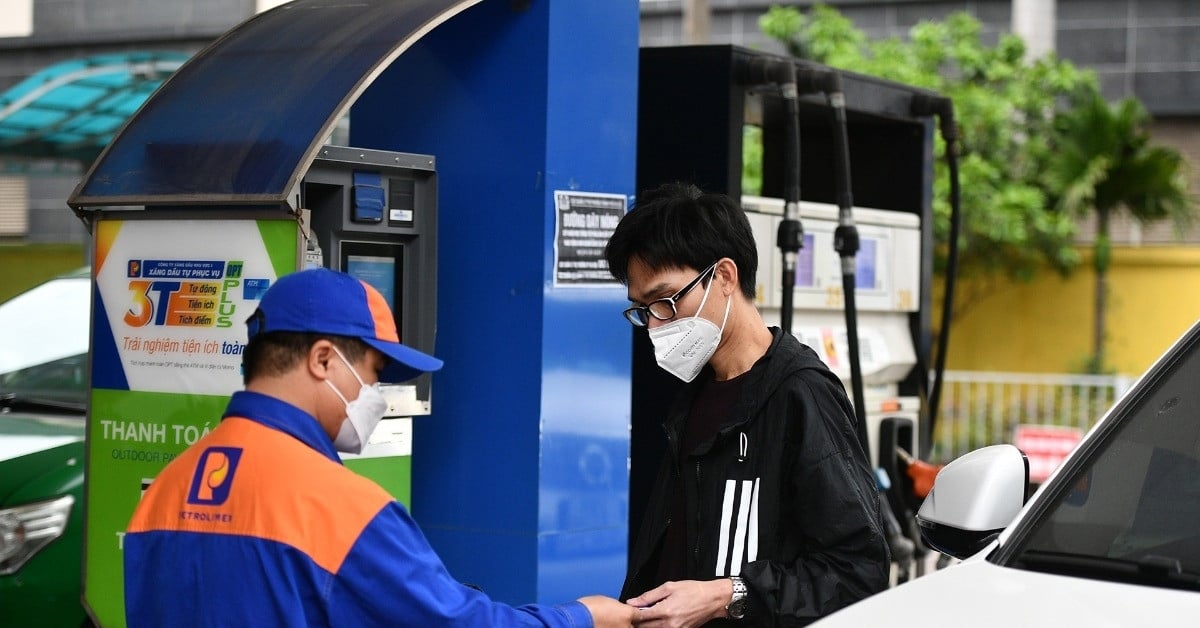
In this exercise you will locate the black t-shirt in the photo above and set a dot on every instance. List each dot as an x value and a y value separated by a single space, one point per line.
709 411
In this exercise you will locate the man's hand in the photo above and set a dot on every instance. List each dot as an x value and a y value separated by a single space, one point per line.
607 612
683 604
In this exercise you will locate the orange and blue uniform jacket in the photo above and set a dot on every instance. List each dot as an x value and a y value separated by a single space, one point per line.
260 524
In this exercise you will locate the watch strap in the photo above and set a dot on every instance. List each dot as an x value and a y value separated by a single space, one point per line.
737 602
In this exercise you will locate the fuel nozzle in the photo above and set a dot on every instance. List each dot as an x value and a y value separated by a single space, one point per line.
790 236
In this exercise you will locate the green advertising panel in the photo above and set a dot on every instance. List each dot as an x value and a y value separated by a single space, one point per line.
131 436
168 331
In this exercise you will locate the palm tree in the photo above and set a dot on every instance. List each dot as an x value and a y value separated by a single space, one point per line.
1105 163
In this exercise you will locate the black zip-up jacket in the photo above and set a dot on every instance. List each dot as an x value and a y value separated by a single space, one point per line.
782 495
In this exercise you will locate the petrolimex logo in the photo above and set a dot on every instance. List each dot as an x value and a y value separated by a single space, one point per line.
214 476
182 293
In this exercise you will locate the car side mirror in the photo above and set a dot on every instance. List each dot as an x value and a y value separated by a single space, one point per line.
973 499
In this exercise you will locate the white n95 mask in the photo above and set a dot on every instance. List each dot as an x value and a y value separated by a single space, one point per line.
362 415
683 346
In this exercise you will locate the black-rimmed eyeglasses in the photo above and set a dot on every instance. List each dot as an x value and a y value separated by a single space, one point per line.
663 309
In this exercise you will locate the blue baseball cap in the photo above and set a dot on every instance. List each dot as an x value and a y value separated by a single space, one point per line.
323 301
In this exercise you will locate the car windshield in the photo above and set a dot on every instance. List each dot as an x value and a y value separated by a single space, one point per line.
1130 511
44 344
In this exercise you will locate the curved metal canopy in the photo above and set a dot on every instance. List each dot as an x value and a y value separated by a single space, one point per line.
72 109
242 120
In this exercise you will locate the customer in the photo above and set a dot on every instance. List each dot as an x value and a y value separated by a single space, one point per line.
764 508
259 524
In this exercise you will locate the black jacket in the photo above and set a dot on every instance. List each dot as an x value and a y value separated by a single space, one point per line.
782 496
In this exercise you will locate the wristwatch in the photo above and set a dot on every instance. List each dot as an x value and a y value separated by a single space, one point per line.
737 603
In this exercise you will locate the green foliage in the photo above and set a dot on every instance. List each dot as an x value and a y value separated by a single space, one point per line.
784 25
752 157
1005 107
1105 163
1039 145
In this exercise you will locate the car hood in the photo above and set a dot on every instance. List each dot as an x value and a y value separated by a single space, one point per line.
22 434
983 595
26 318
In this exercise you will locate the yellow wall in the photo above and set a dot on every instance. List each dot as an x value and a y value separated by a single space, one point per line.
1046 325
23 266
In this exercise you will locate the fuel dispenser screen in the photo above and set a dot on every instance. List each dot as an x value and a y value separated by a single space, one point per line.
806 264
378 272
381 266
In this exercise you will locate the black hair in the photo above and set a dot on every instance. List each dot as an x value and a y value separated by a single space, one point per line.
277 352
677 225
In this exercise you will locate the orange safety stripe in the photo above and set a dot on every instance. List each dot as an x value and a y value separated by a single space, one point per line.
281 491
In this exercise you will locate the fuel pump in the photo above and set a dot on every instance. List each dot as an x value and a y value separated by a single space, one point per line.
886 280
175 283
222 180
784 74
893 434
373 215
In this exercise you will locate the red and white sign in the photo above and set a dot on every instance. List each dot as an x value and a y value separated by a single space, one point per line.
1046 446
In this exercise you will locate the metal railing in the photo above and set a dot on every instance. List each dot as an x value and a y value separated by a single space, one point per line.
982 408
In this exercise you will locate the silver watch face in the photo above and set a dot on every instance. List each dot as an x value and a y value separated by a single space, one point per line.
737 608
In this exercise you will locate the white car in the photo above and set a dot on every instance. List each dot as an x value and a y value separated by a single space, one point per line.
1111 539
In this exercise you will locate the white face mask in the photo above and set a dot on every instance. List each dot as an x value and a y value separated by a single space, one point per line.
362 415
683 346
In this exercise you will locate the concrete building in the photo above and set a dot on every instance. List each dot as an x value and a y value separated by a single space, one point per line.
1144 48
36 34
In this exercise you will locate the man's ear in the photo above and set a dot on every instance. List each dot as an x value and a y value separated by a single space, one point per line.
727 271
317 360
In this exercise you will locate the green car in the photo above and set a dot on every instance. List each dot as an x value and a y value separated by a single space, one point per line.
43 401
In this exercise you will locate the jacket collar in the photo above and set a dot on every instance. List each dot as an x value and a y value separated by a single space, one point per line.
283 416
782 358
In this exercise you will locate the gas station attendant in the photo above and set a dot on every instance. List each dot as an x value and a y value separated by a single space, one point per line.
260 524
